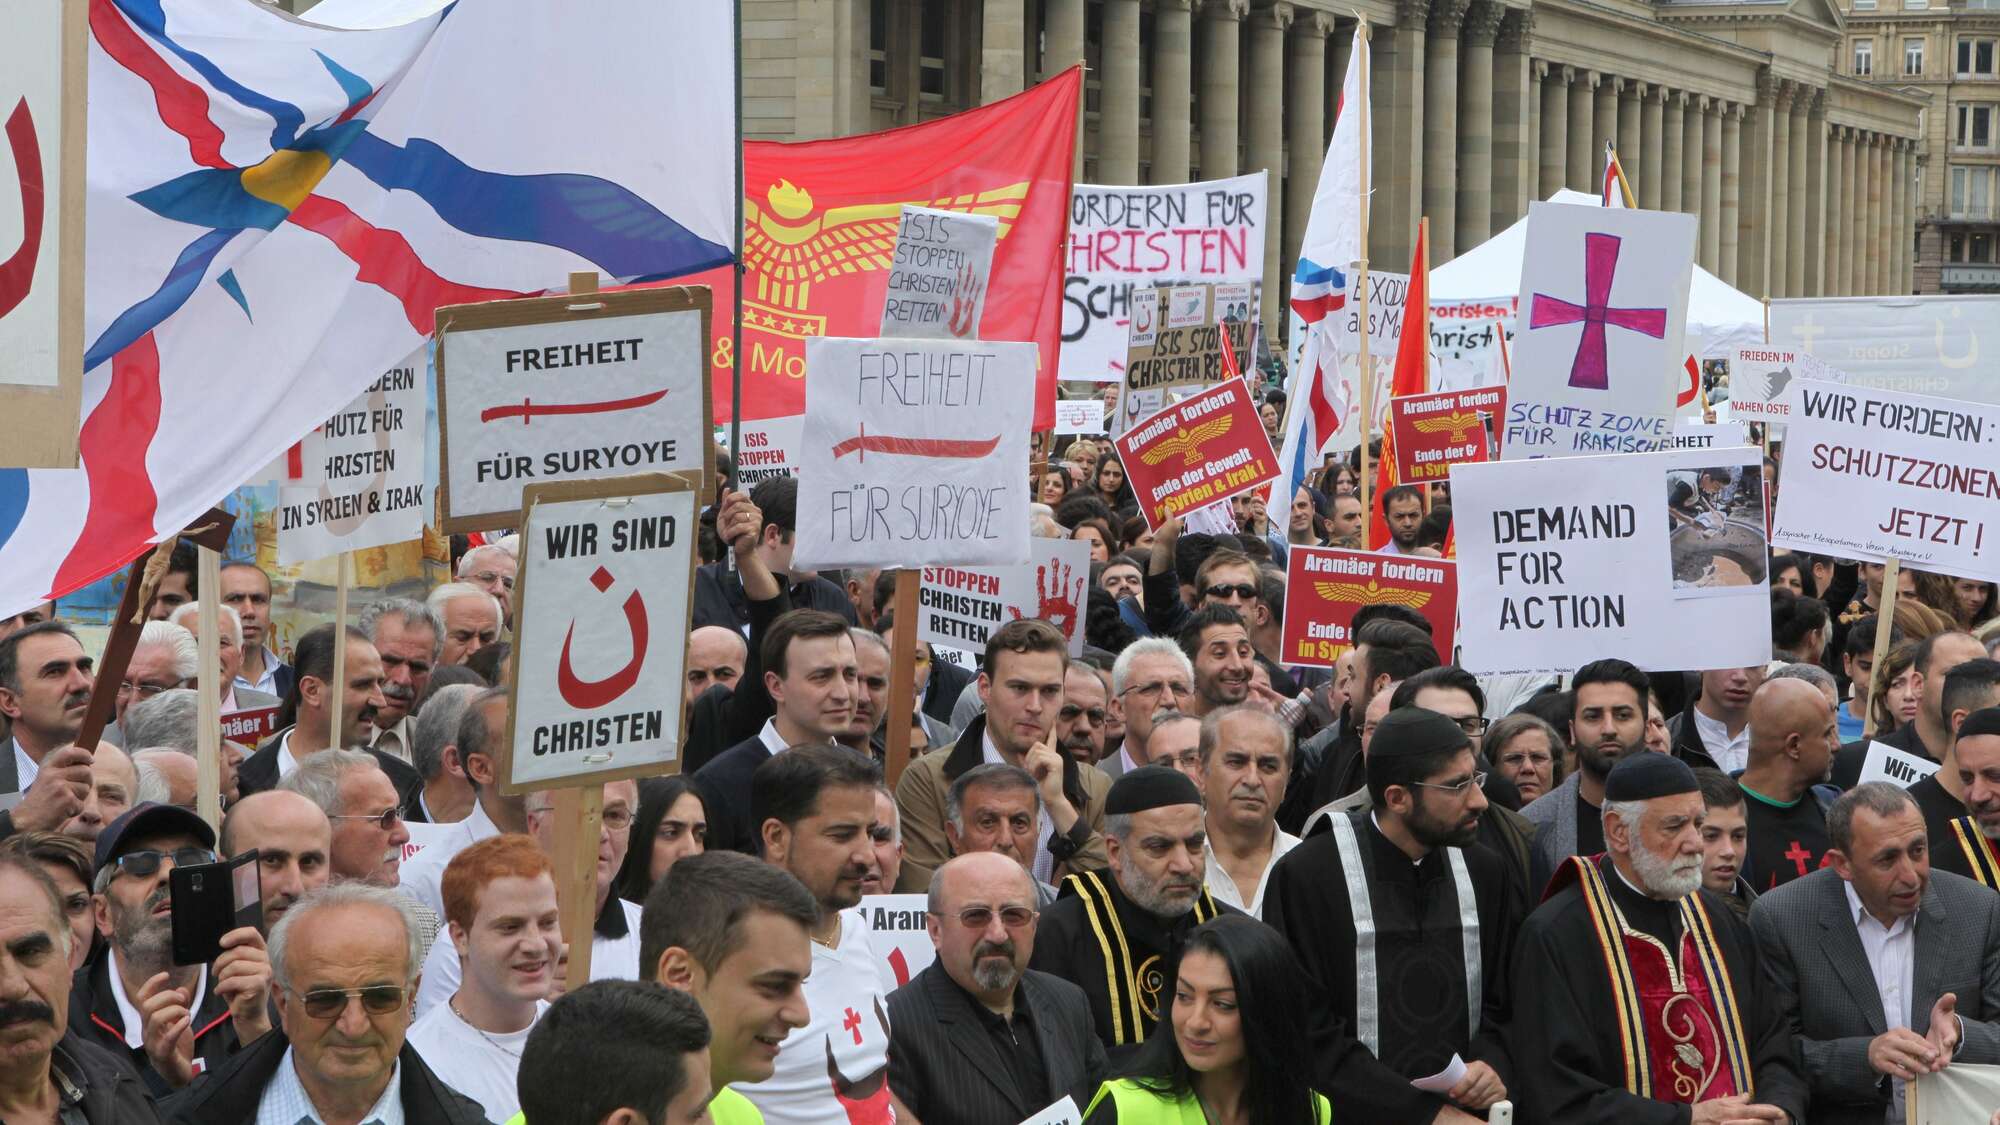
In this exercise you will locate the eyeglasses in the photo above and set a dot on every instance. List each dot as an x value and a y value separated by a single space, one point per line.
1474 725
146 690
488 577
1241 590
330 1003
615 820
385 820
980 917
1094 714
145 862
1476 781
1147 691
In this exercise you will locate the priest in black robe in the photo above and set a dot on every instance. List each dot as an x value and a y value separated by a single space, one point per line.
1383 909
1639 996
1961 801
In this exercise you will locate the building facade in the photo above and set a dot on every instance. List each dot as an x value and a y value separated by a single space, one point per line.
1945 49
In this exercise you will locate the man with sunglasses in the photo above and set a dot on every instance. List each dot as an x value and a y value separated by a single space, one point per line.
172 1021
979 1000
361 802
1185 575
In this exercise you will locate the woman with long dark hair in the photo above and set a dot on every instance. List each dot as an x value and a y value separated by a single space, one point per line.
672 822
1108 483
1235 1054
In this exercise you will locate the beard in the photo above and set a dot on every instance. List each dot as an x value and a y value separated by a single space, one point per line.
1167 897
1437 832
143 938
993 966
1079 747
1665 877
1594 761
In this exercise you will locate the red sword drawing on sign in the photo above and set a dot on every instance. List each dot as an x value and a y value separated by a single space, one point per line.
528 411
914 447
17 273
585 694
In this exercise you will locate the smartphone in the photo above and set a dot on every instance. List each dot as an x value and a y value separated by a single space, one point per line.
211 899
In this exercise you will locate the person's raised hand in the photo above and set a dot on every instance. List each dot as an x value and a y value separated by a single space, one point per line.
243 978
167 1032
738 521
1902 1053
1480 1087
58 792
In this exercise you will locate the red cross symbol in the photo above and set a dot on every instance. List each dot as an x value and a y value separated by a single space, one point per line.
1600 262
1798 855
853 1023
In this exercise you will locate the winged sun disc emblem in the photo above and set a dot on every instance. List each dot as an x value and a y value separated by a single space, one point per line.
1459 425
1187 441
1373 593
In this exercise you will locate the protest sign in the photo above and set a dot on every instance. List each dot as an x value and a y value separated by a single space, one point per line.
1914 345
578 387
1062 1112
1387 293
1080 416
915 452
1604 293
1886 763
770 449
1658 558
1760 376
1126 239
1205 448
607 572
1324 586
897 935
938 274
1177 336
1708 435
361 478
962 606
250 727
1435 431
1873 474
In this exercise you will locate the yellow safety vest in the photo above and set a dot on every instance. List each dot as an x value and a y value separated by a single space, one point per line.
1140 1106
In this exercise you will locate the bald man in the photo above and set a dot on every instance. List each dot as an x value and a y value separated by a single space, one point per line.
1793 736
293 839
715 656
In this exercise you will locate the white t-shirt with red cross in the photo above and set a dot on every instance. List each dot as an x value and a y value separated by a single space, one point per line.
836 1068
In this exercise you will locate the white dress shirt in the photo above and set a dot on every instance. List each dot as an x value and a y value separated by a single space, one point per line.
285 1101
25 768
1892 958
268 681
1730 753
1223 889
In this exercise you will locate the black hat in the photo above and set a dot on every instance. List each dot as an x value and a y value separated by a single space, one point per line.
149 819
1150 787
1644 775
1416 730
1986 720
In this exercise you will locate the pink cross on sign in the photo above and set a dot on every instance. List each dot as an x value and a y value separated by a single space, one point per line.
1600 261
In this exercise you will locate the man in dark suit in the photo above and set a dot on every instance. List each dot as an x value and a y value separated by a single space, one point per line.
979 1037
719 597
1888 969
310 707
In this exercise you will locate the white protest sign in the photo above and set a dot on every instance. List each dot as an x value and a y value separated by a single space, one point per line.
1886 763
914 453
770 446
362 475
1161 235
938 274
568 388
962 606
1658 558
41 287
897 935
1872 474
1915 345
1063 1112
1387 293
1601 333
1080 416
1761 376
1708 435
601 634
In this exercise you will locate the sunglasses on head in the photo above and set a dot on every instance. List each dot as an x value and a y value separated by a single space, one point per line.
145 862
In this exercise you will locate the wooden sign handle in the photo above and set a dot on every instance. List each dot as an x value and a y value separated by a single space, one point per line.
902 678
579 817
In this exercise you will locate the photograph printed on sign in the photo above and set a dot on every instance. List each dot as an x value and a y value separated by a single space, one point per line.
1715 531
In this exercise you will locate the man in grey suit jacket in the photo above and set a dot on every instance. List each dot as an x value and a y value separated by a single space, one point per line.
978 1037
1889 970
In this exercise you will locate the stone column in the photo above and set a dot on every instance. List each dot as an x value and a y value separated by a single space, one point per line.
1062 40
1781 188
1305 128
1475 128
1003 28
1753 219
1872 225
1441 132
1692 111
1901 229
1797 208
1173 90
1516 157
1265 125
1631 92
1603 127
1220 26
1711 186
1885 239
1850 215
1582 102
1835 217
1651 144
1732 184
1118 95
1672 156
1816 207
1398 55
1555 129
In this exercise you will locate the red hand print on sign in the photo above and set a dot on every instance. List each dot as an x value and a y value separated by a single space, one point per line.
17 273
965 302
586 694
1057 597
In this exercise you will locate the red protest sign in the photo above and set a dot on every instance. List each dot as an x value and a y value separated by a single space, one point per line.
1324 587
1205 448
250 727
1444 428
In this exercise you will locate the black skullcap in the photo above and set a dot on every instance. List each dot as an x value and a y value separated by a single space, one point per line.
1986 720
1643 775
1150 787
1416 730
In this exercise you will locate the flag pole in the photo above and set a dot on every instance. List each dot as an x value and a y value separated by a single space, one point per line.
736 322
1365 372
338 689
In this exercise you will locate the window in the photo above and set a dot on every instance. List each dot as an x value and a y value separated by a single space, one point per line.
1915 5
1864 5
1975 126
878 46
1975 58
930 73
1864 57
1972 198
1913 57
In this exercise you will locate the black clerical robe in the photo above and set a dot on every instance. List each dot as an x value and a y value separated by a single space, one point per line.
1574 1035
1091 925
1954 838
1417 982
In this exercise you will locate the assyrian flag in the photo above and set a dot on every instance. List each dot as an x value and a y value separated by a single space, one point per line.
276 207
1617 192
1316 401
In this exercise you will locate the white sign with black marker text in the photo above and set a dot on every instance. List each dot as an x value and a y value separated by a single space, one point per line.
361 479
938 274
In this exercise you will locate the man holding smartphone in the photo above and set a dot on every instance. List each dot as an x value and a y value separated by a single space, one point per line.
172 1021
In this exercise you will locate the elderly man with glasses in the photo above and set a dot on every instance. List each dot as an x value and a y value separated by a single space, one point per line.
346 959
1151 675
172 1021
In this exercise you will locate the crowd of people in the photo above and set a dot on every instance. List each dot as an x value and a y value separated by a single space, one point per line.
1178 878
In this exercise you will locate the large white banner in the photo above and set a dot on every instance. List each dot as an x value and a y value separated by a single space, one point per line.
361 481
1604 297
914 453
1122 238
31 216
1872 474
1944 346
1961 1094
1658 558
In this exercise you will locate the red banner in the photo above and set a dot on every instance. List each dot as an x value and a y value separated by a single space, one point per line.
250 727
819 227
1205 448
1324 587
1445 428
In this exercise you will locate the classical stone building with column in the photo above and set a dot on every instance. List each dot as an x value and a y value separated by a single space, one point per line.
1734 110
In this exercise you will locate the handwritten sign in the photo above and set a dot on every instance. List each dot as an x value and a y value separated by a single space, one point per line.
1873 474
1205 448
915 453
1387 294
1180 343
938 274
1325 586
960 606
1759 378
361 482
1445 428
1126 239
1080 416
898 936
41 275
1886 763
